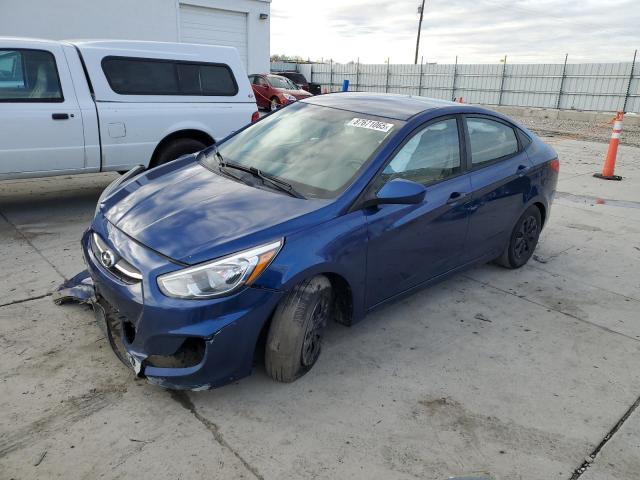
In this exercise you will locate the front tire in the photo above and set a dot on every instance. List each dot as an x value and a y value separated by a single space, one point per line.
523 240
177 148
297 329
274 104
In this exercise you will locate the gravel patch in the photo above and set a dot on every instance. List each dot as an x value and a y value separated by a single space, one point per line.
589 131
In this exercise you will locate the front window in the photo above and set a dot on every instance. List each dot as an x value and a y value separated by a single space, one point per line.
318 150
29 76
431 155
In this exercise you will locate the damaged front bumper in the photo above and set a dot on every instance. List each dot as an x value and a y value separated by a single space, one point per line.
174 343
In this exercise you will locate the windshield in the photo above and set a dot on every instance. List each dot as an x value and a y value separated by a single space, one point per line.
281 82
318 150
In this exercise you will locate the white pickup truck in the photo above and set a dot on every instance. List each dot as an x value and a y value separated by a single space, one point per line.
94 106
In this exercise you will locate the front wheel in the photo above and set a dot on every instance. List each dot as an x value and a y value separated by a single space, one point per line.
523 240
274 104
295 336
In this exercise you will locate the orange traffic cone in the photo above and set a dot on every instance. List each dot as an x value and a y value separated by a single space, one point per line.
610 160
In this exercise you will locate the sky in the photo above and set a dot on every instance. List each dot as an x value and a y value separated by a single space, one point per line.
477 31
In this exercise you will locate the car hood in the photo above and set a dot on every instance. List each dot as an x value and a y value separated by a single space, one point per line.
296 93
190 214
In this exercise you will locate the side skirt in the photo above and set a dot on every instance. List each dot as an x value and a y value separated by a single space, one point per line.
432 281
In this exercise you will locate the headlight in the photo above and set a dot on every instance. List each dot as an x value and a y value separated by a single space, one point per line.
116 183
289 97
219 277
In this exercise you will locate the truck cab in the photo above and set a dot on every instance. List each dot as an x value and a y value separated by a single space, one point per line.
90 106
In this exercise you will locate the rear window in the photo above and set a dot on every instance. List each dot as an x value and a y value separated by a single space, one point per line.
490 140
145 76
296 77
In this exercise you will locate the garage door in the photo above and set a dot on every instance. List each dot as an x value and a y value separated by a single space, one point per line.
213 26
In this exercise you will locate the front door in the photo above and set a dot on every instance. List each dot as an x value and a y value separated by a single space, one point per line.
410 244
261 91
39 113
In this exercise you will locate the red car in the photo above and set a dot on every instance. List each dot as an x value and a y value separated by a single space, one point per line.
274 91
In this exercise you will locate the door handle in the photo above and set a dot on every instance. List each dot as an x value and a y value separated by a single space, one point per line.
455 197
60 116
522 170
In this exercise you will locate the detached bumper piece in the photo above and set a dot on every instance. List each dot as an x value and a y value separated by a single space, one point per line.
77 289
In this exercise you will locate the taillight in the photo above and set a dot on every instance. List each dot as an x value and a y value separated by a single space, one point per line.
255 117
555 165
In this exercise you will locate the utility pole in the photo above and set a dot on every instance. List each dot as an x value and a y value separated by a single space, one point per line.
419 28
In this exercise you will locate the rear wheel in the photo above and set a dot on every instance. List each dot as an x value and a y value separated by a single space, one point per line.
297 329
523 240
177 148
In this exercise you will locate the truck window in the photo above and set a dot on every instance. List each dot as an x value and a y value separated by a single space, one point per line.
29 76
147 76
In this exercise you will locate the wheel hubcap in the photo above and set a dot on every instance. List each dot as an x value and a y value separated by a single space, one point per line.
526 237
313 337
274 105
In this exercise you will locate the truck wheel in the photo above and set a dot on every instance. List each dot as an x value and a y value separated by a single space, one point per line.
295 336
523 240
177 148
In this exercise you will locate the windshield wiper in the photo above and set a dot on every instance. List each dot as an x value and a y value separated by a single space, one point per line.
265 177
202 158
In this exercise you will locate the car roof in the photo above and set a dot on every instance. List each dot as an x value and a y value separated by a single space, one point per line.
398 107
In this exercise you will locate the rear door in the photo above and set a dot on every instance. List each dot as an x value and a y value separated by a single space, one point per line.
41 124
499 182
410 244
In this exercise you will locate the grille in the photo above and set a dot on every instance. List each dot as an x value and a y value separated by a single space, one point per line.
113 262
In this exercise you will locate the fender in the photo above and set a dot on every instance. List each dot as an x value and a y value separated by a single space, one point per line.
337 247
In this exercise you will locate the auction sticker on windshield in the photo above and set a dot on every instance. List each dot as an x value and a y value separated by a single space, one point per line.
370 124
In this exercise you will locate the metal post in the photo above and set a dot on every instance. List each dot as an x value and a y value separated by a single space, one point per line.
357 89
626 96
455 74
504 67
421 75
564 74
386 88
419 28
331 76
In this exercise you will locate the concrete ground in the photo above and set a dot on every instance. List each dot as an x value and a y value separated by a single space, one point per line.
503 374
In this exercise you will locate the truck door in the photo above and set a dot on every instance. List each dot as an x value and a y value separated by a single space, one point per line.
41 124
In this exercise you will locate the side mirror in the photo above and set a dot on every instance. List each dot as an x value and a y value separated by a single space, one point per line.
400 191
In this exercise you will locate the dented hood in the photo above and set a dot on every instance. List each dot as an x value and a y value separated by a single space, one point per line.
191 214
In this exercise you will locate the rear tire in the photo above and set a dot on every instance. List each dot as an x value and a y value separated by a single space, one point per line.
177 148
523 239
295 336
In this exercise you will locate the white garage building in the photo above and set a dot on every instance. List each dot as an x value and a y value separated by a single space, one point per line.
243 24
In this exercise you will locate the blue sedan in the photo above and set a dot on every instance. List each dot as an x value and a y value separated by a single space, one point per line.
324 210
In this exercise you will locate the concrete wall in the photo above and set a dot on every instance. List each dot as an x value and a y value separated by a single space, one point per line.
65 19
127 19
